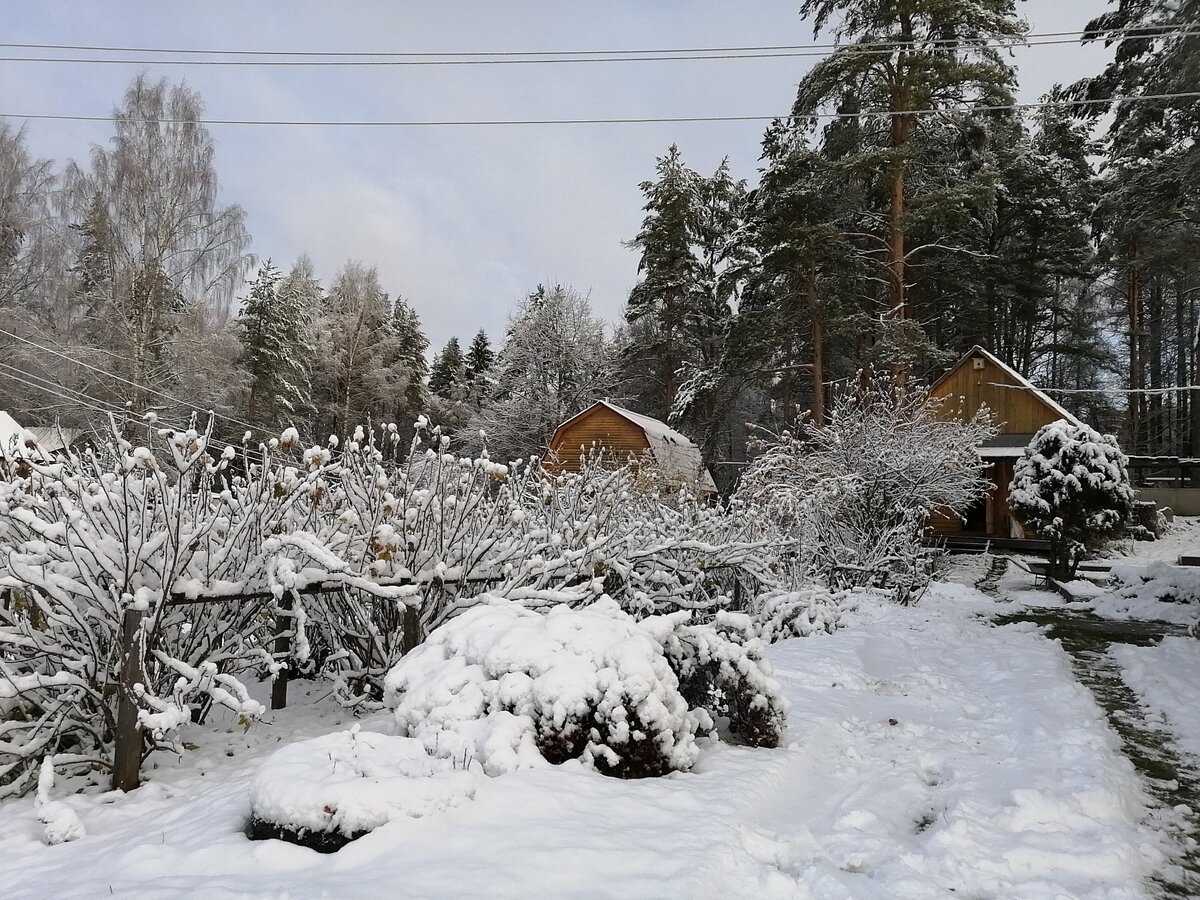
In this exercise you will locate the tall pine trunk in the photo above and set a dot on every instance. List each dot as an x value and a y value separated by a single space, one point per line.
818 342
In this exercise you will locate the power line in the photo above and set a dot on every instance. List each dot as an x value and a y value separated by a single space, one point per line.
851 49
1084 34
126 381
106 407
619 120
1153 392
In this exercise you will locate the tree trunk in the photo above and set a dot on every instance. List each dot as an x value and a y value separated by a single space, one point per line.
818 342
897 294
1134 304
284 623
127 754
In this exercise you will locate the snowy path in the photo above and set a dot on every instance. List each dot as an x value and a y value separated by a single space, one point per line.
931 753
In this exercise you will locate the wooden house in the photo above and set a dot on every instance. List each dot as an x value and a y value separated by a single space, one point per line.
625 436
1019 409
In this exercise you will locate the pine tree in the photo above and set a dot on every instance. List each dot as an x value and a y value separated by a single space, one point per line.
449 370
947 53
1071 487
1148 216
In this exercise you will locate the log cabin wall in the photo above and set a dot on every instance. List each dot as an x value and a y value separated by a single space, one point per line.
977 381
1015 410
597 426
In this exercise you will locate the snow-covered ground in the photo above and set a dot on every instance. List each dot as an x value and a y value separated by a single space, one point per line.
1166 676
931 754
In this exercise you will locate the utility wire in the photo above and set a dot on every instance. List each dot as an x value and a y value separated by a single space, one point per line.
108 408
126 381
619 120
1154 392
1082 34
850 49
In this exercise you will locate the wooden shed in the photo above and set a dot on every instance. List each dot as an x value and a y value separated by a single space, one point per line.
1019 409
627 436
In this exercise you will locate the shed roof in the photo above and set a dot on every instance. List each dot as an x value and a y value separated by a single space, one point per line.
12 434
1022 383
677 456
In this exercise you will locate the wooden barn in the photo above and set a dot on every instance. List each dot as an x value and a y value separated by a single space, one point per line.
625 435
1019 410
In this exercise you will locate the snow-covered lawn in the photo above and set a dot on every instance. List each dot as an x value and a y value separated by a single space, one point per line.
930 752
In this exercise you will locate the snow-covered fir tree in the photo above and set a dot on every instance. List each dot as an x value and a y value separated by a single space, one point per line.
276 350
1072 488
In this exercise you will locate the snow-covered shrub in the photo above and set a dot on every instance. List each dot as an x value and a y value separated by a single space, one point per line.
1071 487
276 558
1159 581
587 684
778 615
722 669
857 491
324 793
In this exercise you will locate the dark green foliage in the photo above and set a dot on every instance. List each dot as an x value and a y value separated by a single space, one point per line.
275 331
449 369
480 358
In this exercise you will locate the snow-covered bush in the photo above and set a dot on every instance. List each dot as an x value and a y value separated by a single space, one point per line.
324 793
722 670
1160 582
778 615
857 491
587 684
331 560
1071 487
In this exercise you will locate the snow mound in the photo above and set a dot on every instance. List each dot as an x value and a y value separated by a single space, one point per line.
330 790
62 823
509 687
1159 591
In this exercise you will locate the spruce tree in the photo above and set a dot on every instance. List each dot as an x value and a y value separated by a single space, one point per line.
275 351
480 358
668 271
411 346
449 370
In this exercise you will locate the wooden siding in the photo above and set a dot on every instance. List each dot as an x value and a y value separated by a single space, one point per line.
599 426
996 520
1016 411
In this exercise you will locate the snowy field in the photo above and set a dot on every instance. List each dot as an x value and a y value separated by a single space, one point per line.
931 754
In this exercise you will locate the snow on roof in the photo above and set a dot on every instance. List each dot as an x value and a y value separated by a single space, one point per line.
1021 380
52 438
677 456
13 435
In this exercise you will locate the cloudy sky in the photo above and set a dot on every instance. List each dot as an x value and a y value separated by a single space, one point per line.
462 221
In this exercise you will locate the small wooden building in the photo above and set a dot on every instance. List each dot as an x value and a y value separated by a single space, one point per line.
1019 409
624 435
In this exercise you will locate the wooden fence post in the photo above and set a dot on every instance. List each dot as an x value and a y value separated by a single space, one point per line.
284 622
127 755
411 636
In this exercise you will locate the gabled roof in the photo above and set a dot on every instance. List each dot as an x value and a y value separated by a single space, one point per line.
1021 381
676 455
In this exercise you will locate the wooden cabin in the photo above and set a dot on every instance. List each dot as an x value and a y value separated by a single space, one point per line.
1019 409
625 436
